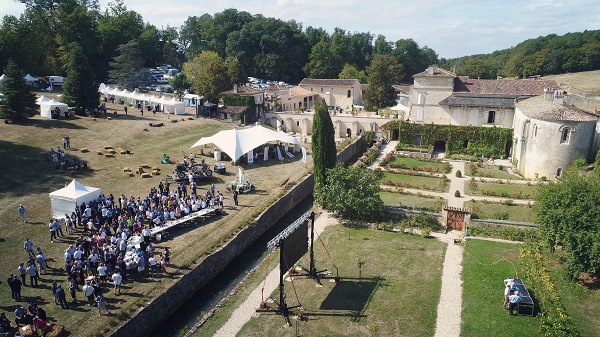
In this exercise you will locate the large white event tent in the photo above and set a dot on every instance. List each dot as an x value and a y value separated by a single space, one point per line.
236 143
46 106
63 201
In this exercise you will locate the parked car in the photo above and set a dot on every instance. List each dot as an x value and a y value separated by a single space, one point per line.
162 79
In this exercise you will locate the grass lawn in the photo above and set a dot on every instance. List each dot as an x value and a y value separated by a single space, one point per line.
518 191
491 210
486 265
416 164
581 301
418 182
27 179
396 296
586 81
412 201
492 171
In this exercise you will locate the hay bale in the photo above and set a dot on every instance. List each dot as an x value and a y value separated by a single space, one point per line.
126 169
156 168
155 173
109 155
100 153
146 175
84 150
111 151
139 170
129 174
108 148
55 330
109 118
145 166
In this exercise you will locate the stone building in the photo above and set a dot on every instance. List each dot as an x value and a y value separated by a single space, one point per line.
339 93
549 135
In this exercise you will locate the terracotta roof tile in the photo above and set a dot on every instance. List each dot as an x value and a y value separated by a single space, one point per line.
403 89
328 82
502 86
300 92
540 108
233 109
242 90
476 100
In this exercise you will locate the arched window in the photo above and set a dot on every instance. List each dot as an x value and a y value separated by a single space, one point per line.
565 135
349 93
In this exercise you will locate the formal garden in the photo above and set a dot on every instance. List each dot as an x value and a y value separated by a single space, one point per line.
500 210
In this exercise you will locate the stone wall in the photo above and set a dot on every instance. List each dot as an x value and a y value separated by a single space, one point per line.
160 308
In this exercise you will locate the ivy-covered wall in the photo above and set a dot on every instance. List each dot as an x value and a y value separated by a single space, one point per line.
248 101
471 140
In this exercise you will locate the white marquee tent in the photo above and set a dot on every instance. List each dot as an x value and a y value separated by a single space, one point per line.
236 143
63 201
46 107
175 106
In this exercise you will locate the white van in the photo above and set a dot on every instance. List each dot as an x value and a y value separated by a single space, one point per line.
162 79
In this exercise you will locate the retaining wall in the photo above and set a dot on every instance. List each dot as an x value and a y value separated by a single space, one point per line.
160 308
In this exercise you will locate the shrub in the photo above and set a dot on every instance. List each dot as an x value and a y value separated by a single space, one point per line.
501 215
458 174
500 167
579 163
457 193
503 232
544 178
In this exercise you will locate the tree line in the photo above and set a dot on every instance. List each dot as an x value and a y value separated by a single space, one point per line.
545 55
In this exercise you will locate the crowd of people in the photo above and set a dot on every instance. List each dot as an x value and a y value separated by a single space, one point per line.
113 246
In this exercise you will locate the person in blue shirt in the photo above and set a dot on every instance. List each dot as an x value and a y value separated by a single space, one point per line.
514 300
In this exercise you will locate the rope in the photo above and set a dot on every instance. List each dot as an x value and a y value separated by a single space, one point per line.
292 279
327 251
509 261
262 291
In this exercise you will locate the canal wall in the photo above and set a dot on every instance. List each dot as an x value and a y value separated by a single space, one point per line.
147 318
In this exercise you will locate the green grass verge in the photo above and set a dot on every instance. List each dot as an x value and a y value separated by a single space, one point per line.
500 211
433 204
502 190
486 264
396 296
581 301
492 171
417 164
410 181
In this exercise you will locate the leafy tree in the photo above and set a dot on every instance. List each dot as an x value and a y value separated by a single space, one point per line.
352 192
350 72
412 57
222 24
322 62
383 72
236 72
568 213
193 35
323 148
208 74
170 51
314 35
474 68
597 164
18 103
382 46
80 90
151 46
180 83
126 69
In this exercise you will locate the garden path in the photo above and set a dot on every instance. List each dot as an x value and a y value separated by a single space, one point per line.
247 309
450 304
385 149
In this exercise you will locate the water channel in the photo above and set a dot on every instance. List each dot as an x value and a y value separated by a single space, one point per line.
205 299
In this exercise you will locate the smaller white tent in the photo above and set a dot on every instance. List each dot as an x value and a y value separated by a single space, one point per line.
46 107
174 106
65 200
41 99
30 79
191 100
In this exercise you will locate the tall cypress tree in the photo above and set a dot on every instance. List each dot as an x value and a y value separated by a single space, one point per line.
19 100
323 148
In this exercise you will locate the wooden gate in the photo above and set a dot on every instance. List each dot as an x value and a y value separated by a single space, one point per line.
455 218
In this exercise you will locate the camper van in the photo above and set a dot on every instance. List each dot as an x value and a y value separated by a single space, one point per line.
56 80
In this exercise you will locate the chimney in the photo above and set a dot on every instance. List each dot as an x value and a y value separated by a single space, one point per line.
235 88
548 94
430 70
559 97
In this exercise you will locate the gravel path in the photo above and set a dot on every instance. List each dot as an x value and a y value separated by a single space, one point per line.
247 310
450 305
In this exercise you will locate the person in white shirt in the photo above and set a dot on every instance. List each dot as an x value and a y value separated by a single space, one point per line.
117 279
102 271
153 264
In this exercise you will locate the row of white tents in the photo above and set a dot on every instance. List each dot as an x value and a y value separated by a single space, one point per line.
173 105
